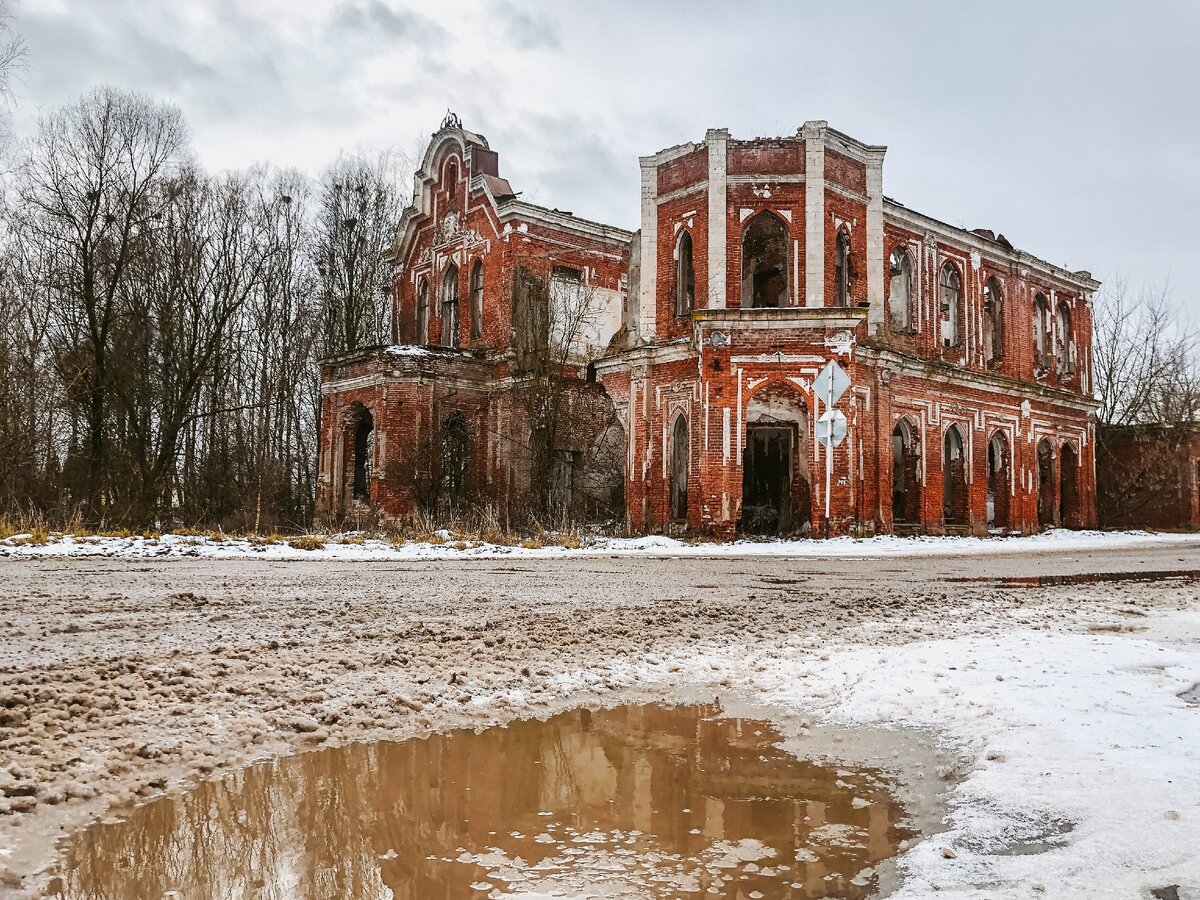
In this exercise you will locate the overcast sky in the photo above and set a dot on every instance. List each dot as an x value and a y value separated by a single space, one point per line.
1071 127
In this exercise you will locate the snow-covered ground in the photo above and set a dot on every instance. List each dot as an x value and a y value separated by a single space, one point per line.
1072 709
353 546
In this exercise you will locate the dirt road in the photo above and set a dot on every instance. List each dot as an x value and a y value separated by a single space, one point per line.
120 679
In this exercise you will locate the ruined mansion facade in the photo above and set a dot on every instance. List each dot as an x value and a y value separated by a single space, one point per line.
664 377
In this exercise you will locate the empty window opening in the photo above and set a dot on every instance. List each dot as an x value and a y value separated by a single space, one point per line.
530 319
776 498
1043 333
950 298
841 269
900 289
685 275
993 322
998 482
765 262
570 310
477 300
906 481
1068 487
455 459
954 478
450 307
1063 344
364 452
422 336
452 186
1047 505
679 470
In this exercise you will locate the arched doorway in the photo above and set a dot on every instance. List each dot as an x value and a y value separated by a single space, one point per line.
999 482
1046 499
1068 486
906 482
954 479
776 497
679 469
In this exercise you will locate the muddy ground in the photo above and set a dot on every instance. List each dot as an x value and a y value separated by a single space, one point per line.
120 679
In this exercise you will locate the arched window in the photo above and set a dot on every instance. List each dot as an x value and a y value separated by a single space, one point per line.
679 468
364 453
954 475
949 299
900 289
452 185
765 262
906 478
1068 486
450 307
1043 333
993 322
455 458
841 269
1047 501
477 300
998 481
1063 343
422 336
685 275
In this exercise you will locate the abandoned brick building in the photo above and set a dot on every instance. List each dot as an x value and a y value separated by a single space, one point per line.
690 378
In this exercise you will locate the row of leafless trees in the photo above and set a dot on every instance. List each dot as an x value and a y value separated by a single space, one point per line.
1146 363
160 325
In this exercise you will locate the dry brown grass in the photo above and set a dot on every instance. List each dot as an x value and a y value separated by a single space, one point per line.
307 542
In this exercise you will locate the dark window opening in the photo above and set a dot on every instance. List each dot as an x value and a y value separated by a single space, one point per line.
900 289
906 481
1063 344
1047 505
364 451
455 458
841 269
950 298
422 336
477 301
679 470
767 480
954 479
452 185
1068 487
1043 339
993 322
450 307
685 275
999 484
765 262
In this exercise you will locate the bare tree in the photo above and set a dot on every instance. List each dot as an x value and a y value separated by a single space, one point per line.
1146 368
358 212
90 186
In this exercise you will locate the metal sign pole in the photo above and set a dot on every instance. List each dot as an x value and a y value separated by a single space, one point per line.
828 460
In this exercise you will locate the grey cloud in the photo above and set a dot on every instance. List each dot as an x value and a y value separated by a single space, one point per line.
376 19
526 30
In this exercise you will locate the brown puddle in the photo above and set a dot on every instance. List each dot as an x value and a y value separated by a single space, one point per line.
636 801
1033 581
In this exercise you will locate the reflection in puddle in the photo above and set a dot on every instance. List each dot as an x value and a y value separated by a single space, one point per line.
1034 581
637 801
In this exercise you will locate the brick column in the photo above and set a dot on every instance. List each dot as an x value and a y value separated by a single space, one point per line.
717 142
814 212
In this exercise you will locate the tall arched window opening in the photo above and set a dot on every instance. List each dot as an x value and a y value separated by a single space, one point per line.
685 275
452 186
364 453
906 480
1068 486
950 300
422 335
450 307
954 478
1047 505
1063 343
900 289
841 268
455 458
1043 333
993 322
998 482
679 469
477 300
765 262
